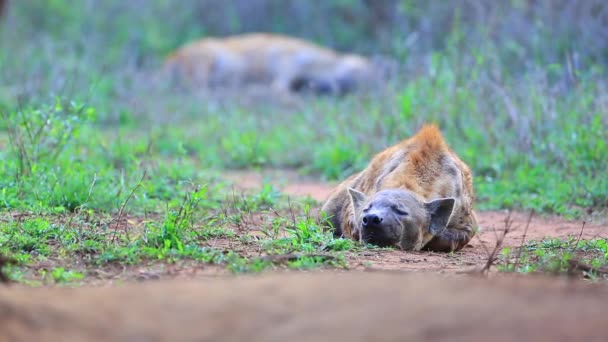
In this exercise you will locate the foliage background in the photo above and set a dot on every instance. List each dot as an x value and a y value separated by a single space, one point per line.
518 87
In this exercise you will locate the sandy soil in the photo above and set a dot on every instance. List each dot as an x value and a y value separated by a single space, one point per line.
317 306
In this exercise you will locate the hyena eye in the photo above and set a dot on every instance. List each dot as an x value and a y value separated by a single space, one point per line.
398 210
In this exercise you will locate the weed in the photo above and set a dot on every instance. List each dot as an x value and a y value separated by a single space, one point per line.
304 242
558 256
61 275
4 263
38 136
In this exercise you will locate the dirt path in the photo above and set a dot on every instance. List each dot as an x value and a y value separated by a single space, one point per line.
492 225
356 306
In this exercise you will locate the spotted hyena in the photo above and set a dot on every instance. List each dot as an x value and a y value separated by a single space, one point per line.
284 63
414 195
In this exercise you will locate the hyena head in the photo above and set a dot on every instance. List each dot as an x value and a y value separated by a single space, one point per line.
348 73
353 72
397 218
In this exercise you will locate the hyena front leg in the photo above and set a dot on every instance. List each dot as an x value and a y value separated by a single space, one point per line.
455 237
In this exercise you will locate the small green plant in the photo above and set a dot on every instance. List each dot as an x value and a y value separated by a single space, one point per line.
558 256
38 136
267 197
177 230
304 243
30 236
315 261
60 275
305 234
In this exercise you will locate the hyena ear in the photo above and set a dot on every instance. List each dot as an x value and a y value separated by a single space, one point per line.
357 198
440 211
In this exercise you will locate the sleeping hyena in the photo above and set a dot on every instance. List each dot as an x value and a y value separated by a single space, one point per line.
415 195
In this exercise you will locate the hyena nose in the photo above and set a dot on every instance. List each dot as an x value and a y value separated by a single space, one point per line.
371 220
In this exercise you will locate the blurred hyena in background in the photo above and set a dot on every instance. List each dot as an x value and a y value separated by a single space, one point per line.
283 63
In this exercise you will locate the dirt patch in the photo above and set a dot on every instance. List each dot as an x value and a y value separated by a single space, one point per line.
288 181
352 306
492 225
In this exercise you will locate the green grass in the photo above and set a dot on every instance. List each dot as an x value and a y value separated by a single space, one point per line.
535 136
559 256
187 231
546 165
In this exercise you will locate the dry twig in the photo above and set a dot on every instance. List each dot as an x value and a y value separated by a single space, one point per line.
497 246
523 239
